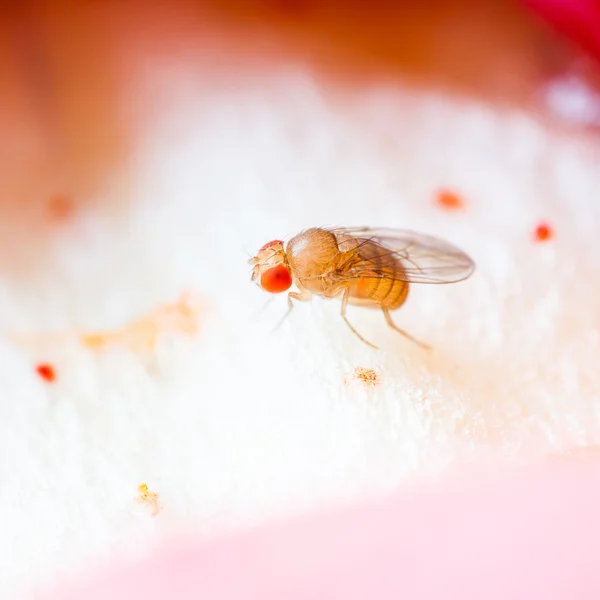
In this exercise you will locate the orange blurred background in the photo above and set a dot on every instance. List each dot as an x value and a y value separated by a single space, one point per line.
68 116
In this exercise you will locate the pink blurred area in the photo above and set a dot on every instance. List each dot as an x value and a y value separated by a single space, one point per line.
522 536
578 20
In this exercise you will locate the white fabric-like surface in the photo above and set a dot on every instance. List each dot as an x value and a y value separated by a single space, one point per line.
236 425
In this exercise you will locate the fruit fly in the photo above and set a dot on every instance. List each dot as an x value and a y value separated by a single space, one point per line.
364 266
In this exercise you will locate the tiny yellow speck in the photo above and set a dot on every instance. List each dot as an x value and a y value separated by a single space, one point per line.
150 499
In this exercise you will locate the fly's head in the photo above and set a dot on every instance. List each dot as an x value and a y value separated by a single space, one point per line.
271 270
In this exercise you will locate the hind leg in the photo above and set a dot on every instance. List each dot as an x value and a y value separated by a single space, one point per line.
345 296
390 322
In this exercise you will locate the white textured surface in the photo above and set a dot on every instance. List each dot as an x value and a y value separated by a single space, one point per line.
237 425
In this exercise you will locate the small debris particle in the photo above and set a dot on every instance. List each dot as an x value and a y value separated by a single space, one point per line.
449 200
368 377
46 371
150 499
543 233
142 335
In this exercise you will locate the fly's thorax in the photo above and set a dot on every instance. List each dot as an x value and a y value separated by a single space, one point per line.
325 283
311 252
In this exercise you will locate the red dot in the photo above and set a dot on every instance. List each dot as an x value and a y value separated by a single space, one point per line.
543 232
449 199
46 371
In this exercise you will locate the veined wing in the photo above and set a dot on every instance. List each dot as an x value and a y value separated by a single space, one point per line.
422 258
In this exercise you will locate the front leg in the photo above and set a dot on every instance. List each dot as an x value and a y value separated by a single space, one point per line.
302 296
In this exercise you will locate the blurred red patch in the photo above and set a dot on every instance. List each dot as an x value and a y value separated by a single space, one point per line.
578 20
61 207
46 371
449 200
543 232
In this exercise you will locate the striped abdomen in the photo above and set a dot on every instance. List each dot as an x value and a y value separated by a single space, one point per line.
388 289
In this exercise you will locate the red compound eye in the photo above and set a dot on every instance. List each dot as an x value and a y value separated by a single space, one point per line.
273 243
276 279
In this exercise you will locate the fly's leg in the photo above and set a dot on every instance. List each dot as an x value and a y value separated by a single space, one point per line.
264 307
303 296
345 296
390 322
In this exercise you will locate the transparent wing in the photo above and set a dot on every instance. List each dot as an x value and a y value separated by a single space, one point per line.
422 258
